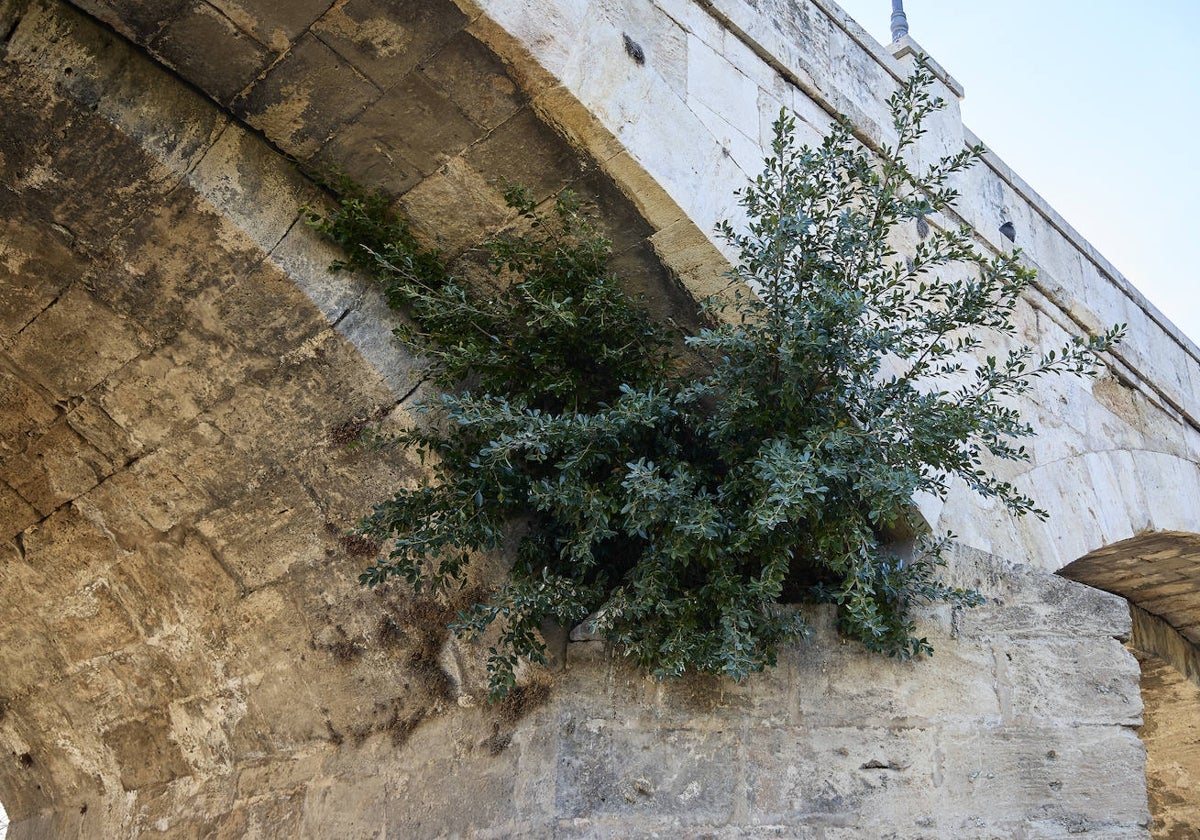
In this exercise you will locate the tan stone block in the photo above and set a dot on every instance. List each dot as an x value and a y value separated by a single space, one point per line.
102 432
527 152
282 716
57 178
420 122
257 321
209 459
385 40
144 752
109 690
372 155
25 411
693 259
251 187
33 660
111 77
265 627
183 809
305 97
349 482
36 265
156 396
456 208
275 23
346 807
657 289
267 816
201 592
138 20
283 773
156 491
91 622
304 400
266 531
179 249
74 344
202 725
477 81
16 514
211 52
47 757
559 108
67 552
56 468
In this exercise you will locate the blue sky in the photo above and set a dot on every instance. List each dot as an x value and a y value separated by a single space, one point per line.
1096 105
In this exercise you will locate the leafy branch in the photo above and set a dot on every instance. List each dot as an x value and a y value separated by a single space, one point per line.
682 512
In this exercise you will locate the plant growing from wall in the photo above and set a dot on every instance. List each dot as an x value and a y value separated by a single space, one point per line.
685 511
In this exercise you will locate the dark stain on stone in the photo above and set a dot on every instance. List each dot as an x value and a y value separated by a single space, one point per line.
8 33
634 50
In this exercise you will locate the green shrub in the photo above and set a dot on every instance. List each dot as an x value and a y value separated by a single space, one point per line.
685 511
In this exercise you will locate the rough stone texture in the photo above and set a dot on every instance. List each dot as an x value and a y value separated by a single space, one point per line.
184 651
1160 573
1172 737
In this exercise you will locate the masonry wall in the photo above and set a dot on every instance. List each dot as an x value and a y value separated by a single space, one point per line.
183 649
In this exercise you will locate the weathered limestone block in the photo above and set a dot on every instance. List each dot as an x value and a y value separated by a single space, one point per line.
55 468
1172 737
15 512
305 97
274 23
250 188
144 753
204 45
36 265
139 20
67 358
1026 603
524 151
607 770
453 208
386 39
477 81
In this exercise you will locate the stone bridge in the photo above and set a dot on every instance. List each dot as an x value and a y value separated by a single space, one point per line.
184 652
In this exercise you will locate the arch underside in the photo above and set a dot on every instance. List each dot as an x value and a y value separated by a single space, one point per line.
1159 574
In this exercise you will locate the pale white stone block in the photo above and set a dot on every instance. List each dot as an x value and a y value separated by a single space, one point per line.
549 29
717 85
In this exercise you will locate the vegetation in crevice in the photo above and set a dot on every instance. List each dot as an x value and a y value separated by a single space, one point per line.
679 510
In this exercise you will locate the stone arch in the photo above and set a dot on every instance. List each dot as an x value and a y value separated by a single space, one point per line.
1159 574
1096 499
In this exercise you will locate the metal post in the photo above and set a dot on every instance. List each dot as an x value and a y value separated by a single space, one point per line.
899 20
